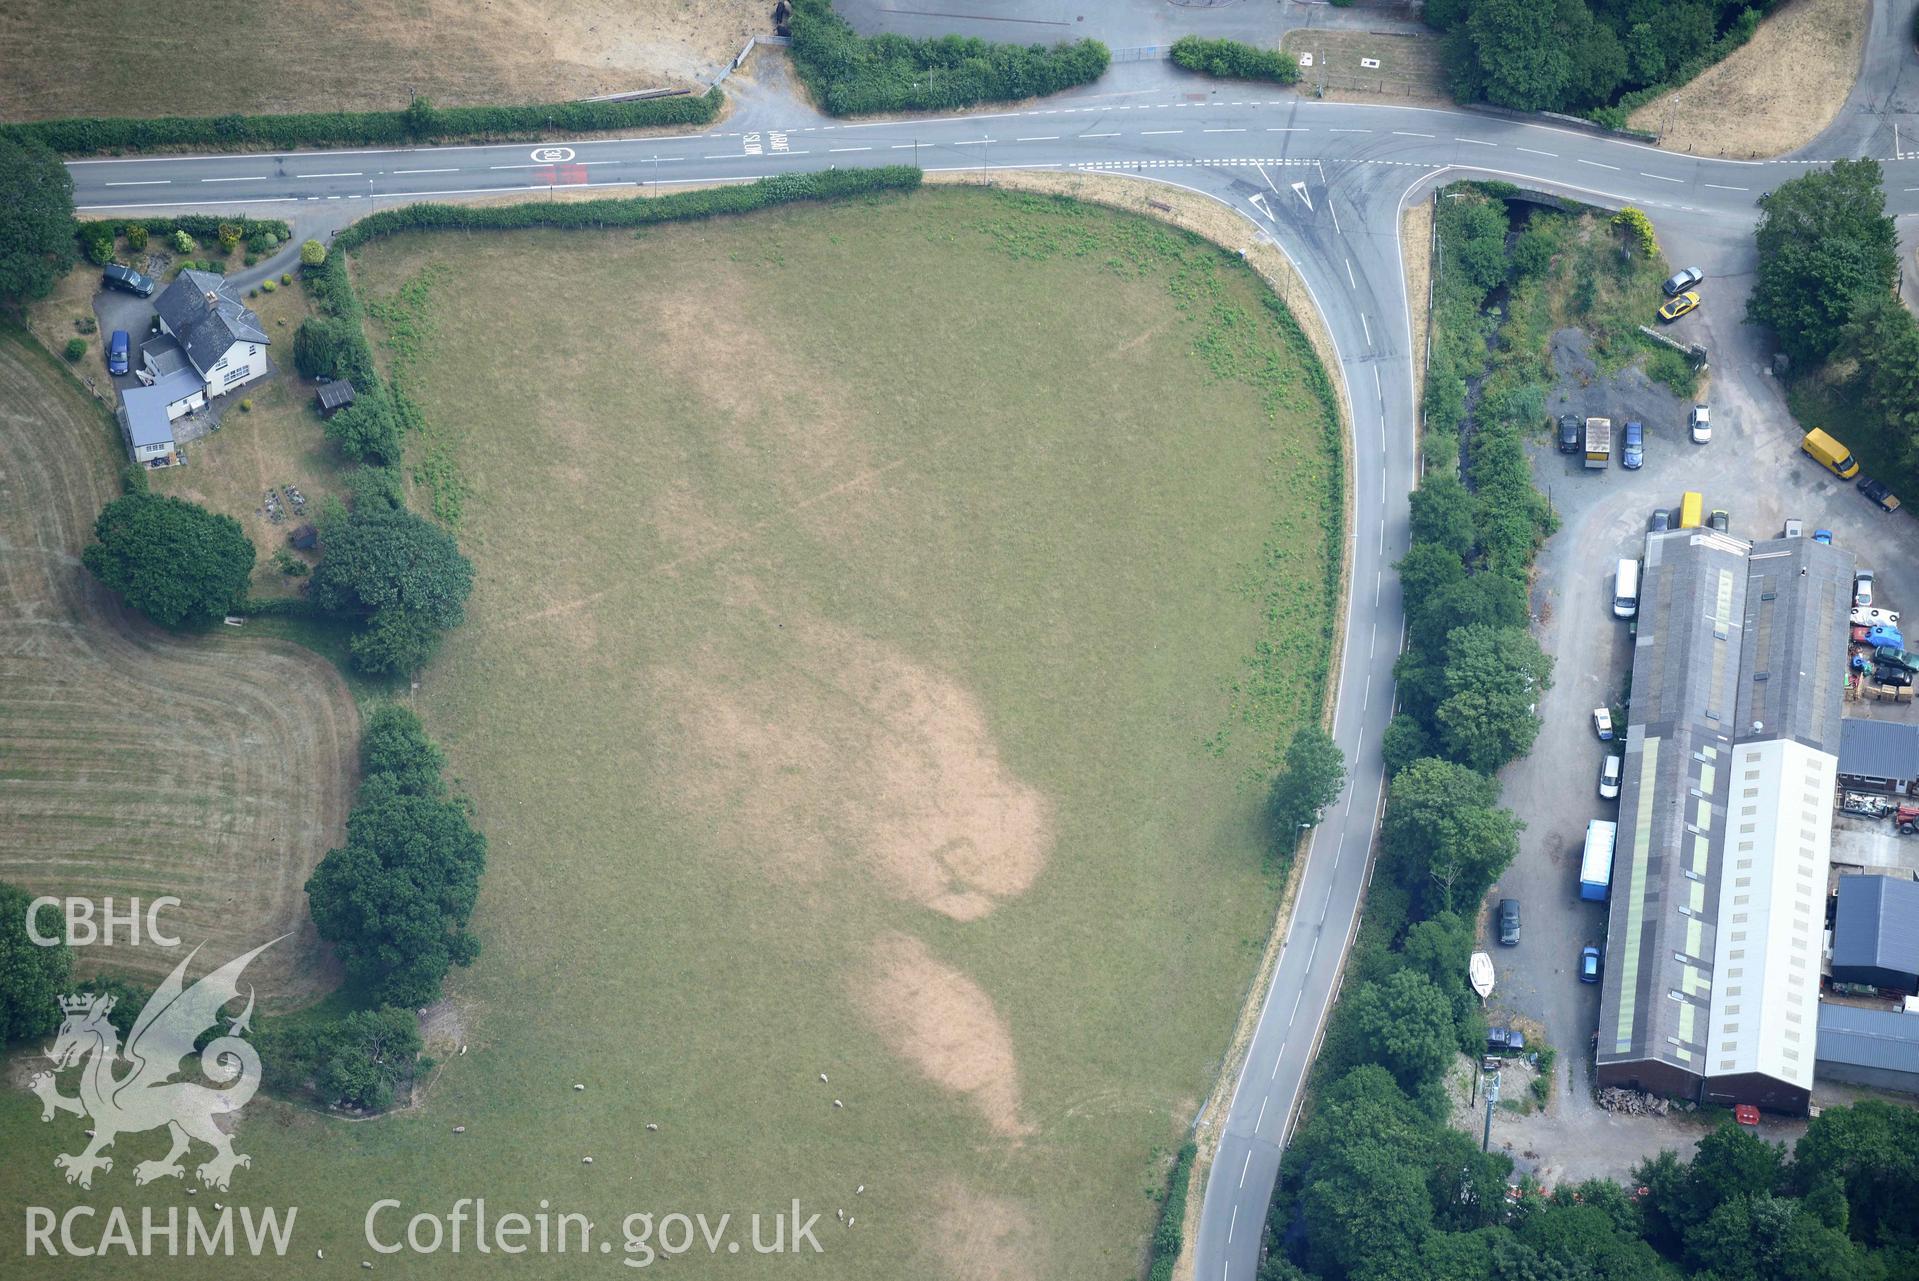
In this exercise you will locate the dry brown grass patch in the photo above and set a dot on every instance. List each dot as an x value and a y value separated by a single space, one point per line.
849 756
977 1236
944 1024
1771 96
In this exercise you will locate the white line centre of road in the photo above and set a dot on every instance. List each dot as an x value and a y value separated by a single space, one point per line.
1369 333
1595 164
1660 176
849 148
1222 131
400 171
1099 135
1243 1167
1534 151
1043 137
150 182
1352 131
1722 187
355 174
1477 142
1231 1224
1407 133
1151 133
258 177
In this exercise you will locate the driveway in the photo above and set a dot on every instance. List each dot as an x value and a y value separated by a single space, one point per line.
115 309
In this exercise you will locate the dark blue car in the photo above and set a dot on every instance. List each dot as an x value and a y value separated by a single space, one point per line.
1635 455
119 347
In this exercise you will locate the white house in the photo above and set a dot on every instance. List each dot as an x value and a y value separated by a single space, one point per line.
207 329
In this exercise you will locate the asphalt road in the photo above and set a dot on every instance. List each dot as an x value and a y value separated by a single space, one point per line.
1323 180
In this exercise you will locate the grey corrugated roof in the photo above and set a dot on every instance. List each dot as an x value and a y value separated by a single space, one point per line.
1868 1038
1876 924
1793 660
1879 749
203 312
145 408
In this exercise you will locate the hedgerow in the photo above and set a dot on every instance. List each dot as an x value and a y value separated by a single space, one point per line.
850 74
204 228
420 122
1170 1235
1233 60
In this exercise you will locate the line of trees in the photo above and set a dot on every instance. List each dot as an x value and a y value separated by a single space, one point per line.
849 74
395 899
419 122
174 561
36 220
1600 56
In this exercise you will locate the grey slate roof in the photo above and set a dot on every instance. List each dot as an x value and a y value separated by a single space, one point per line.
1869 1038
336 393
1879 749
1876 924
163 355
206 316
145 408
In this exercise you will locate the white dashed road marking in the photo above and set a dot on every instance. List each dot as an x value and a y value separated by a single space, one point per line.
150 182
1595 164
1660 176
1477 142
1534 151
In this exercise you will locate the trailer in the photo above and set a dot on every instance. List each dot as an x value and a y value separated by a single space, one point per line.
1595 866
1598 442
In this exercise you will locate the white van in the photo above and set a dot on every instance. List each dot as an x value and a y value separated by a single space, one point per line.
1625 592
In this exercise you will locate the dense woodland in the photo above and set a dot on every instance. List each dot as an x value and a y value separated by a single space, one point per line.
1584 55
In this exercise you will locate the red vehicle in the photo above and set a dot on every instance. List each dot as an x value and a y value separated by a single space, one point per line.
1745 1114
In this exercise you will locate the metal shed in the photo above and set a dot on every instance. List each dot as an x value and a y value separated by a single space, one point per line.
1875 933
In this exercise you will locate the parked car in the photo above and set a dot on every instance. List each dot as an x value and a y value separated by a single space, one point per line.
1720 519
1609 778
1602 723
1505 1040
1661 521
1634 456
1822 536
116 276
1699 422
1589 964
1679 305
1680 281
1509 921
1862 589
1569 433
119 348
1879 492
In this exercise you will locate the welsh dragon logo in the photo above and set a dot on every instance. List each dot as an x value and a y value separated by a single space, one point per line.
125 1092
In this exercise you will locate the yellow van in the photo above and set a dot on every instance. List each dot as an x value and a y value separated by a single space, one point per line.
1830 454
1691 510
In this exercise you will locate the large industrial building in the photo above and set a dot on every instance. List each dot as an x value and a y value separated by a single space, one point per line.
1711 985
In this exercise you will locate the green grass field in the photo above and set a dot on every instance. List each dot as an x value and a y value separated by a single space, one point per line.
884 612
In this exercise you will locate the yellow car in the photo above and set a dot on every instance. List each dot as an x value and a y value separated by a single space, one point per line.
1679 305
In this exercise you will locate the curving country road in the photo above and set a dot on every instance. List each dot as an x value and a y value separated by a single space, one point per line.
1326 182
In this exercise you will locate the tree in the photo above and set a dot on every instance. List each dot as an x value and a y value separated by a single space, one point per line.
1872 1150
1884 338
1494 677
1406 1025
1824 241
1405 742
396 898
1364 1160
1520 57
321 344
31 976
368 431
402 576
1307 783
1442 514
1731 1162
1483 600
1445 835
172 560
359 1061
1441 948
36 220
312 253
1426 568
